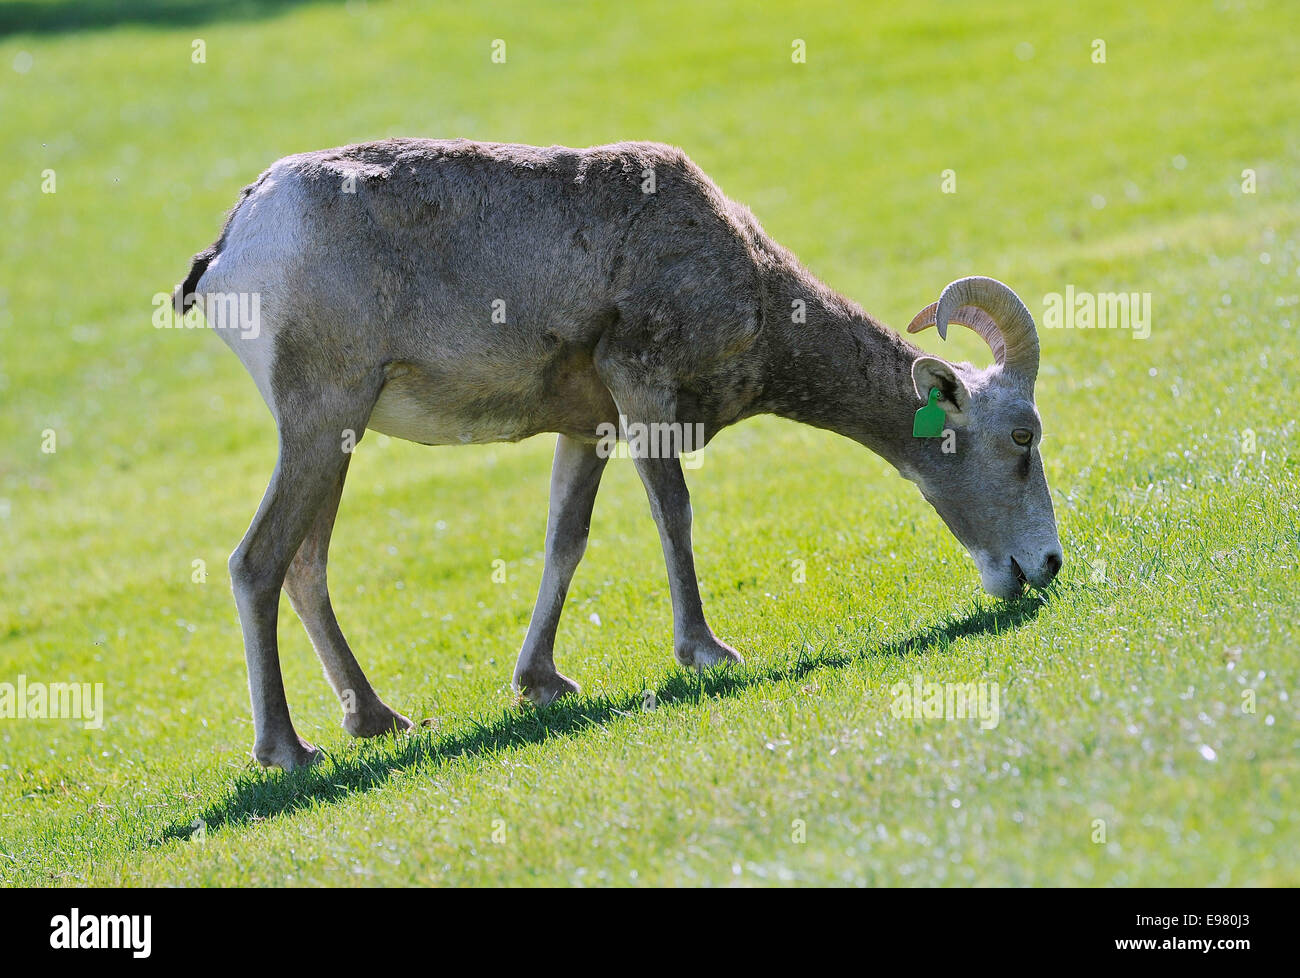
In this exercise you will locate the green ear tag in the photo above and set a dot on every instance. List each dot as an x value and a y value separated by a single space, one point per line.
929 420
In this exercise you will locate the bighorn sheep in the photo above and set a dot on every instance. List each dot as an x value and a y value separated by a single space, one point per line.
452 291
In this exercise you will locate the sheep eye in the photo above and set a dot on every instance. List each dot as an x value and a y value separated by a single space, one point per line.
1022 436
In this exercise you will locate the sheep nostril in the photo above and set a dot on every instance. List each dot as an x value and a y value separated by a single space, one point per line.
1052 565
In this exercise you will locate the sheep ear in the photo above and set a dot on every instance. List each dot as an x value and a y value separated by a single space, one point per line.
928 372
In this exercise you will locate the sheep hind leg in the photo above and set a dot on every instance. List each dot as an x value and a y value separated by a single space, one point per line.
312 459
364 713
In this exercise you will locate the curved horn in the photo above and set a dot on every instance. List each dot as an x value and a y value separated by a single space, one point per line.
972 316
995 312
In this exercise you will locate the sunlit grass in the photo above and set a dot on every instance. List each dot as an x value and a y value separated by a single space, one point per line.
1125 692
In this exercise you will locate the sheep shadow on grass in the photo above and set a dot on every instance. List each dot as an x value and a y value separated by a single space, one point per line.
260 795
71 16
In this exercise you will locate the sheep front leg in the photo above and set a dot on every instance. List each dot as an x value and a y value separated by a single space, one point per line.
575 477
694 644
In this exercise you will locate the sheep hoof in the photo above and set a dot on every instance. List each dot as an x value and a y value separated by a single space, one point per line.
288 754
376 722
706 653
545 690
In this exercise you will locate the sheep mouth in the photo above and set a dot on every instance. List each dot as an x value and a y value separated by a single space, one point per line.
1020 574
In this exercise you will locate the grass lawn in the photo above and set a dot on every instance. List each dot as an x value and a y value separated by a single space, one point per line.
1147 730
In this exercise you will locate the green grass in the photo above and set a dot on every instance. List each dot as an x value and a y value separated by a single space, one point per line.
1121 691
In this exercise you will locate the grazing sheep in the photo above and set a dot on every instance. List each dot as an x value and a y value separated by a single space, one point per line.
453 292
